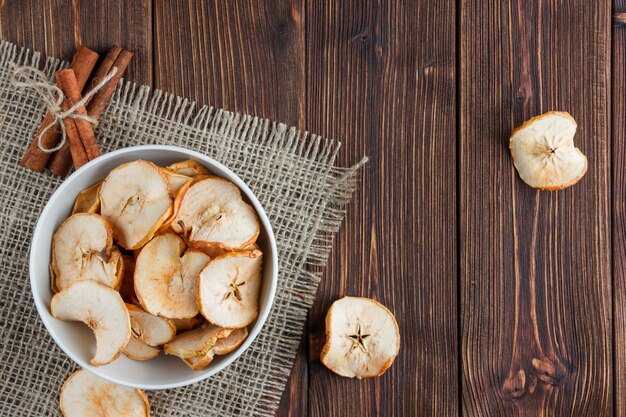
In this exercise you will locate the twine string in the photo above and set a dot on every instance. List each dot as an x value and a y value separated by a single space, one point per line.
52 96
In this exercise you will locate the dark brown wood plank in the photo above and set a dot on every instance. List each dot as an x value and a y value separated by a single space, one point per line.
56 27
618 148
535 266
381 79
240 55
243 56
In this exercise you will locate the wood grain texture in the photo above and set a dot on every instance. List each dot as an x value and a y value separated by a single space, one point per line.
380 78
56 27
243 56
535 266
618 149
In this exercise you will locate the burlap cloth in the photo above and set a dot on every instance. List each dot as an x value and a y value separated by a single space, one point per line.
293 174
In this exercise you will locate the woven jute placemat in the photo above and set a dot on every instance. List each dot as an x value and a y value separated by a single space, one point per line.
293 174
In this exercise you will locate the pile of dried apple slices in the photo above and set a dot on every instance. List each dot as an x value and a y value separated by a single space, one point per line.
159 259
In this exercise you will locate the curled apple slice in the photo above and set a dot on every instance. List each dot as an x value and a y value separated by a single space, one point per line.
228 289
135 198
153 330
88 200
195 342
82 249
179 185
213 213
177 181
362 338
165 282
139 350
231 342
84 394
102 309
222 346
189 168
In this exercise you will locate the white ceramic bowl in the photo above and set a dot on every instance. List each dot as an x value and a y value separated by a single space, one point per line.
76 340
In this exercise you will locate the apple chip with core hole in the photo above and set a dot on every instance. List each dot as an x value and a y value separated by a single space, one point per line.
544 153
102 309
135 198
189 168
195 342
84 394
213 213
223 346
362 338
139 350
88 200
82 248
165 283
228 289
153 330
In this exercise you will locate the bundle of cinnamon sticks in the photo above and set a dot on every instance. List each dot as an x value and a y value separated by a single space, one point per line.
75 82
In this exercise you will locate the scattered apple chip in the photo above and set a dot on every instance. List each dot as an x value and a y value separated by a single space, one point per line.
186 324
102 309
165 283
135 198
139 350
228 289
544 153
88 200
153 330
213 213
84 394
362 338
82 248
189 168
195 342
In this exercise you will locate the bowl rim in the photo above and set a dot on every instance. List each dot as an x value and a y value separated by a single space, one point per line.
199 157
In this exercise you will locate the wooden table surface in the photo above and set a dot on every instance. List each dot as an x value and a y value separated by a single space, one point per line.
511 301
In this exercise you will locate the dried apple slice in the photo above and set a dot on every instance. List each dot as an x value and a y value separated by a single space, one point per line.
187 324
82 249
165 283
213 213
189 168
544 153
177 181
88 200
222 346
231 342
84 394
362 338
53 280
195 342
135 198
139 350
102 309
153 330
228 289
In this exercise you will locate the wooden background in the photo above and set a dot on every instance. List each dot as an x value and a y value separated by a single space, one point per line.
511 301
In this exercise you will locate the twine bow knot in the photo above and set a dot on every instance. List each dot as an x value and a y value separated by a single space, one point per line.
51 94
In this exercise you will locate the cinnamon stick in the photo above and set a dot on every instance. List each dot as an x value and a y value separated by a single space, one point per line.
99 101
83 62
104 68
61 162
66 81
71 91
